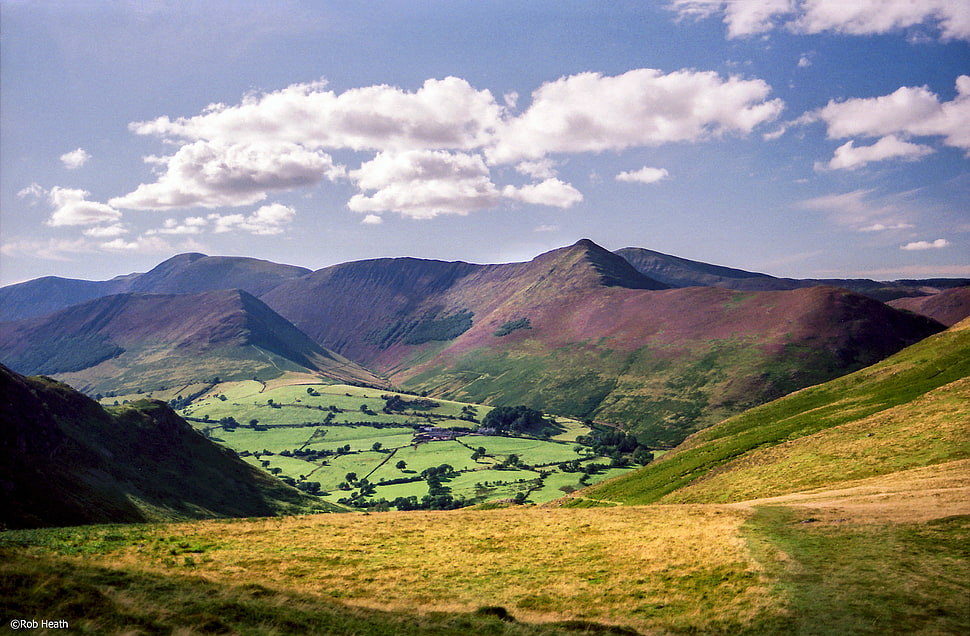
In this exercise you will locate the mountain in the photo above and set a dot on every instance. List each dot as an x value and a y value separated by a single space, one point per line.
908 411
182 274
949 306
64 460
578 331
142 341
681 272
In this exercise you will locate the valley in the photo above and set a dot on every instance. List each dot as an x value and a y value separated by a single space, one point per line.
561 446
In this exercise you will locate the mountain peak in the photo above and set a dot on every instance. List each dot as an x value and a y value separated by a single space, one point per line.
610 269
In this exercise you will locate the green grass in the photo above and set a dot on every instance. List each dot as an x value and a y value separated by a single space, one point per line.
895 382
842 580
292 416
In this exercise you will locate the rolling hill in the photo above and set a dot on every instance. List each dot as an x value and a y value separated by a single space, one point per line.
64 460
182 274
577 331
906 412
681 272
129 342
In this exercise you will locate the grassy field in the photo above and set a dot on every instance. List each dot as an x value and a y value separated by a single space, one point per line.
672 569
347 429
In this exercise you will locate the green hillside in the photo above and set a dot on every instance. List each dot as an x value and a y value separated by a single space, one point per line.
911 410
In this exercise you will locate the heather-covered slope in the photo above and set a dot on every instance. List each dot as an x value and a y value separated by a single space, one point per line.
908 411
64 460
146 341
949 306
578 331
664 363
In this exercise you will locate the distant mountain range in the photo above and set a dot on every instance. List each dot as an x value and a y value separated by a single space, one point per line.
660 345
64 460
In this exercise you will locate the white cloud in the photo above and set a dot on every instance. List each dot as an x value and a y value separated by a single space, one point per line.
142 244
926 245
191 225
644 175
217 174
51 249
372 219
882 227
71 207
75 159
864 17
590 112
442 114
856 17
435 147
33 191
107 231
906 113
805 61
848 156
862 211
269 219
541 169
422 184
551 192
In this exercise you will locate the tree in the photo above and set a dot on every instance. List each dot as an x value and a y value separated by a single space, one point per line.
401 465
376 447
351 478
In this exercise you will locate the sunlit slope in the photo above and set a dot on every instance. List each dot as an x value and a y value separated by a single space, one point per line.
911 410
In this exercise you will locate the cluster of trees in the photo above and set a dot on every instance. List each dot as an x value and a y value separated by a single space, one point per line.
397 404
621 447
520 420
512 325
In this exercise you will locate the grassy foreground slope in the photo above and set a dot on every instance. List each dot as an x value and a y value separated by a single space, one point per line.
911 410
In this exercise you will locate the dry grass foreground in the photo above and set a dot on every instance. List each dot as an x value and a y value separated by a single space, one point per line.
680 568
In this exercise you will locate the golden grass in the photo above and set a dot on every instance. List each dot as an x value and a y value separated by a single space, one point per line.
659 568
931 429
910 496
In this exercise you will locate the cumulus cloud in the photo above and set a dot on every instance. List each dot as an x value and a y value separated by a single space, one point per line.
433 148
422 184
908 111
590 112
745 18
848 156
142 244
217 174
446 113
71 207
269 219
372 219
191 225
644 175
75 159
925 245
551 192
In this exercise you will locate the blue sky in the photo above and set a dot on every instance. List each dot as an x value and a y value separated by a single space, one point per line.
805 138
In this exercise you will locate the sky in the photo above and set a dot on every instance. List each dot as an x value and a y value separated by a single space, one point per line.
801 138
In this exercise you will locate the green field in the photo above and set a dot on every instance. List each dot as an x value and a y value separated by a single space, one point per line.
314 435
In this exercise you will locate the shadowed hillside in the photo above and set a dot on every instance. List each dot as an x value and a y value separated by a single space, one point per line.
139 341
948 307
67 461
